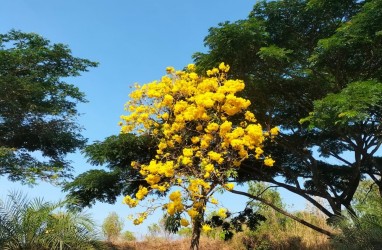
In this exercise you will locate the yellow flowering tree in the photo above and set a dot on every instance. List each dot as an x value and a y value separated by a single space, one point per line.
203 132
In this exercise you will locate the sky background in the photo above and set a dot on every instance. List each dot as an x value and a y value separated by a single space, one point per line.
134 41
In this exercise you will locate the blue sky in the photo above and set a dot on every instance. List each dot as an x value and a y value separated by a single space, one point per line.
134 41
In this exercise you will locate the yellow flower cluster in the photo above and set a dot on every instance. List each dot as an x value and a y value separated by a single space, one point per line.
222 212
142 192
130 201
199 146
206 228
176 204
184 222
140 219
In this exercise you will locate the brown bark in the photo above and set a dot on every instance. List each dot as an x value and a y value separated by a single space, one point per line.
196 231
197 226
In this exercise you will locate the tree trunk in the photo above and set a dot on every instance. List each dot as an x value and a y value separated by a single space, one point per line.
197 227
196 230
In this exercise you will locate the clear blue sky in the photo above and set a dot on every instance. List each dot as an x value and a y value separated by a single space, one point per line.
134 41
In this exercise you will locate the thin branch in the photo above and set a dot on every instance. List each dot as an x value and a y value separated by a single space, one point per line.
340 158
305 195
303 222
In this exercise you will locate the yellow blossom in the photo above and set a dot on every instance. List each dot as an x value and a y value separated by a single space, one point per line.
192 213
209 168
222 212
199 127
206 228
223 67
190 118
195 139
152 179
176 195
268 161
274 131
165 116
186 161
130 201
184 222
142 192
187 152
191 67
170 70
259 151
212 127
229 186
249 116
214 201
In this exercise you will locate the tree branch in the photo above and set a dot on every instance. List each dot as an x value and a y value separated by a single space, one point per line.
303 222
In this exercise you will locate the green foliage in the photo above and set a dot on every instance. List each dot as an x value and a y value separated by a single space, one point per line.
172 223
36 224
112 226
244 219
366 197
357 103
265 191
37 107
316 62
274 53
363 232
116 154
353 53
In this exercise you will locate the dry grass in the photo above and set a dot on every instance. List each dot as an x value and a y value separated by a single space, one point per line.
241 241
155 243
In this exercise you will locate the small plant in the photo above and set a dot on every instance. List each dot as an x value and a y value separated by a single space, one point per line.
128 236
37 224
112 227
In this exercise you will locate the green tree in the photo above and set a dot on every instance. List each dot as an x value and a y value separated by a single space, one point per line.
38 107
112 226
36 224
313 69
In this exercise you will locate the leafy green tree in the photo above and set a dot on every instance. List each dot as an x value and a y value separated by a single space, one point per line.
313 69
38 107
36 224
266 191
112 226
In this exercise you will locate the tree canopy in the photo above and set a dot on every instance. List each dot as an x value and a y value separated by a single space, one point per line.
312 68
38 108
